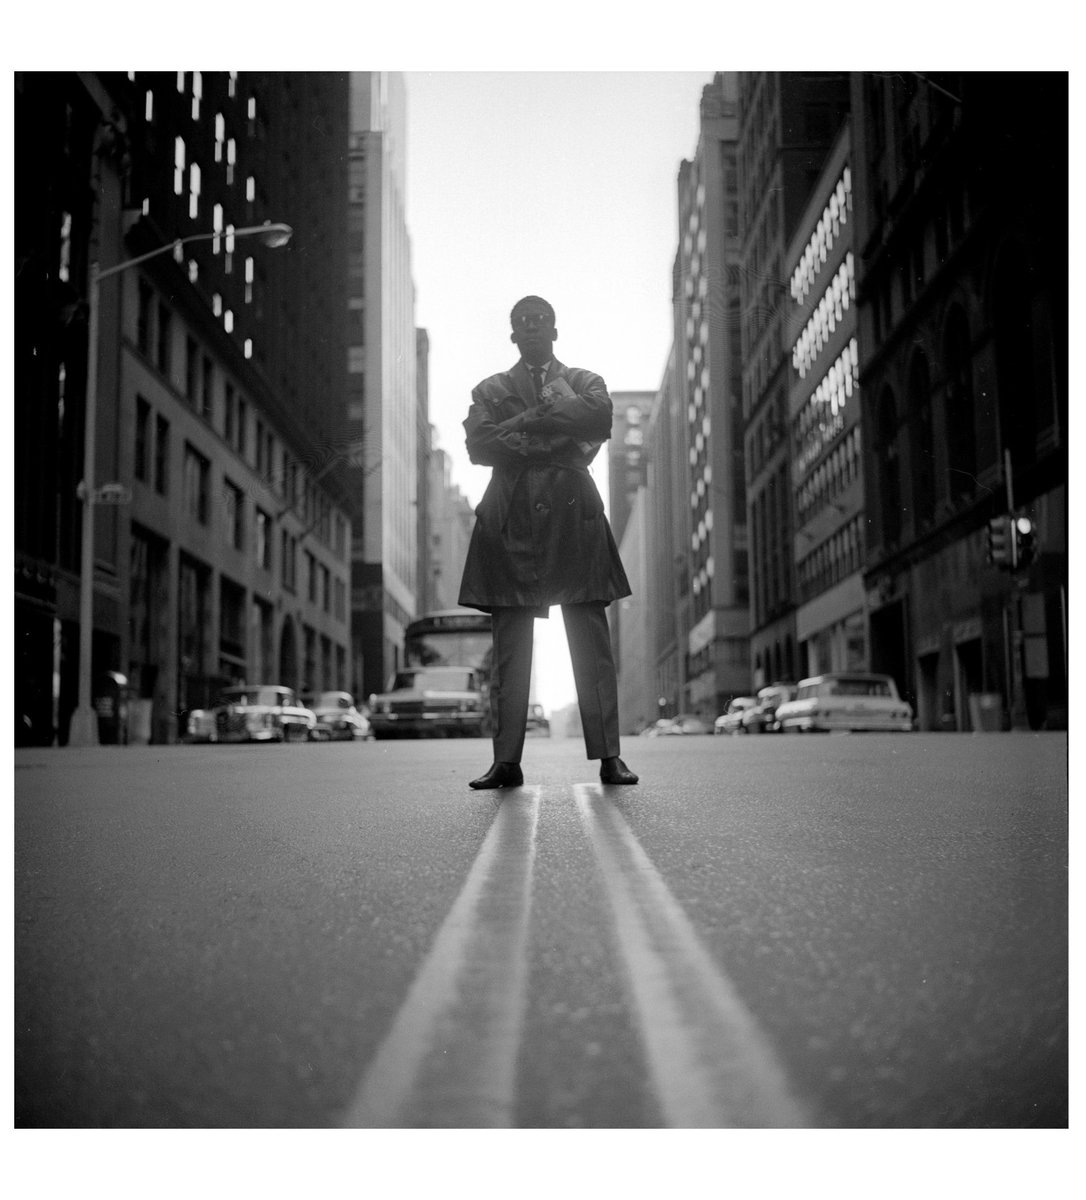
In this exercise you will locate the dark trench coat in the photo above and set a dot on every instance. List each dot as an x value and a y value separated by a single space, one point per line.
541 536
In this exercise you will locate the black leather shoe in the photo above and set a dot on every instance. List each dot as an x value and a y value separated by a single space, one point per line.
614 770
500 775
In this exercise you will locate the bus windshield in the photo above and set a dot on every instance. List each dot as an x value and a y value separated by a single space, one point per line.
456 639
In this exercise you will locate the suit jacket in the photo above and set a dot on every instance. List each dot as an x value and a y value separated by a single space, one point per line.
541 536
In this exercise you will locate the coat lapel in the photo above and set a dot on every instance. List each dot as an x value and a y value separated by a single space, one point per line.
523 380
523 383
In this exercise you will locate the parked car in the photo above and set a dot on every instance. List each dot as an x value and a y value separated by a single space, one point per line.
688 724
728 721
430 702
847 700
197 725
265 712
682 725
537 725
338 718
762 716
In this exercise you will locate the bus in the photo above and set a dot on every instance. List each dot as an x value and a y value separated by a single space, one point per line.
452 637
461 637
443 689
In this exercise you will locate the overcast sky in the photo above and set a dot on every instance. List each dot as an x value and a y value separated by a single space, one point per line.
561 184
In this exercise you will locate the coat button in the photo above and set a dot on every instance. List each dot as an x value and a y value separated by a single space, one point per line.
540 507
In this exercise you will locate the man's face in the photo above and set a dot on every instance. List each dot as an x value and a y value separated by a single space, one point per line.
534 332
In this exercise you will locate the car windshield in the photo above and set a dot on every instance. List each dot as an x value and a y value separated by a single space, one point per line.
858 687
256 695
435 679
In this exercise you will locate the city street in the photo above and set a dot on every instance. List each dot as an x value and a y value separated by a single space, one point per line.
839 931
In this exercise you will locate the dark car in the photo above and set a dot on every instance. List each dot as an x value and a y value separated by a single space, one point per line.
537 723
430 702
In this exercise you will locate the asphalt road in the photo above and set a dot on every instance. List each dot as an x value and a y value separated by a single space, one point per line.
825 931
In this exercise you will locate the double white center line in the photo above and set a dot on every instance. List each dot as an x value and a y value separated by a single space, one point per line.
450 1057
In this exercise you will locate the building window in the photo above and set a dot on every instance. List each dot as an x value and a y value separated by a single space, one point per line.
356 360
143 433
889 469
179 166
311 572
162 354
145 317
243 420
196 480
289 552
207 393
263 539
192 370
230 415
234 506
923 441
194 190
162 454
961 435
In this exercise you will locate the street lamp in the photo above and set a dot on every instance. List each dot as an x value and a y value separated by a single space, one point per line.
84 725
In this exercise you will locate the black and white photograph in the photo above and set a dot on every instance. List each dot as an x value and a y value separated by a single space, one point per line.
541 617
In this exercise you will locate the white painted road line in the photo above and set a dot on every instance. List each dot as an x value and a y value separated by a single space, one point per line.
711 1065
449 1060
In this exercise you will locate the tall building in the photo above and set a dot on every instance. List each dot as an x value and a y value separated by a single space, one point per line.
633 622
627 461
710 568
381 425
824 449
218 383
787 123
962 240
667 534
449 527
424 500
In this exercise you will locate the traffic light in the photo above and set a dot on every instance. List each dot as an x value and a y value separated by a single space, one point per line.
1001 543
1025 542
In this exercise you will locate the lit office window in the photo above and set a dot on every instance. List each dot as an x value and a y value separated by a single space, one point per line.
194 190
197 93
149 106
64 268
220 135
178 166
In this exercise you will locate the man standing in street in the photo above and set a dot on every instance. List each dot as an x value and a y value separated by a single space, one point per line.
541 537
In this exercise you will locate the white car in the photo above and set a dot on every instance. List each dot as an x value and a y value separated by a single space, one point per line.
729 720
338 718
265 712
846 701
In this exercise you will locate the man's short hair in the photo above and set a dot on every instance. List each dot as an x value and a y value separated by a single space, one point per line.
529 300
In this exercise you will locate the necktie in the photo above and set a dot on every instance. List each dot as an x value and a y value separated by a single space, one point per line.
537 379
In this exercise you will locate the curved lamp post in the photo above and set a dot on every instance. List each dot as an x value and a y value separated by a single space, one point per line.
84 725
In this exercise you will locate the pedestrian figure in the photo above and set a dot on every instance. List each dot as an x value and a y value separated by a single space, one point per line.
541 537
